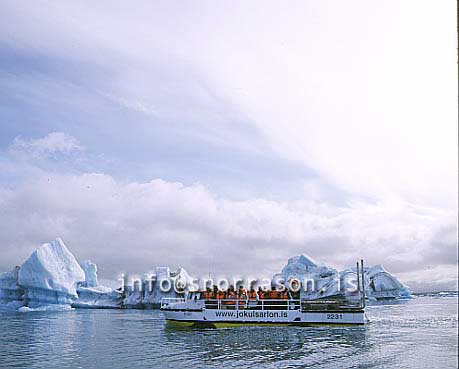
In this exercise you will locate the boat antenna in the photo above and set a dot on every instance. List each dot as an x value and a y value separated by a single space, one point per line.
358 284
363 281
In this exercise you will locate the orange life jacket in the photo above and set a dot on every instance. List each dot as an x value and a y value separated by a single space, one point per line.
207 295
273 295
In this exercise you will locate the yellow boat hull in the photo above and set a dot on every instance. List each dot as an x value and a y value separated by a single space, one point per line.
195 324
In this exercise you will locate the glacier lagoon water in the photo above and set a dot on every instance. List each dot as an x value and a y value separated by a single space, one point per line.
418 333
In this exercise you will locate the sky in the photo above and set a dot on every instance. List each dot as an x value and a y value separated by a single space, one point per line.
226 137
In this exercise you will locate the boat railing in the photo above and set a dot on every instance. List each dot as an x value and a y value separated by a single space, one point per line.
314 305
254 304
282 304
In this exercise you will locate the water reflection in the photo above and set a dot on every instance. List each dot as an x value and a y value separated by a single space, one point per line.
267 345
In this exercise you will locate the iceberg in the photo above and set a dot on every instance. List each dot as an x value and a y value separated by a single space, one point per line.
52 279
380 284
97 297
50 276
147 292
133 292
90 274
320 281
11 294
91 294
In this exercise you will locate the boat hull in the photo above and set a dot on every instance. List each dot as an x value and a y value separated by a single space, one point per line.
217 318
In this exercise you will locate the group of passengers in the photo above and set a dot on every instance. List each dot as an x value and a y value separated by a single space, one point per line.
243 294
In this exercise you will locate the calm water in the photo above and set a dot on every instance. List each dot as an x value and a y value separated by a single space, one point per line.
420 333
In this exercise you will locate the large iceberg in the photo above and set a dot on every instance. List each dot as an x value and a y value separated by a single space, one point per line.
52 279
317 281
380 284
47 280
147 292
320 281
50 276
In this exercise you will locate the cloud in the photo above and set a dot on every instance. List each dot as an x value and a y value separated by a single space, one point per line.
136 226
362 102
53 144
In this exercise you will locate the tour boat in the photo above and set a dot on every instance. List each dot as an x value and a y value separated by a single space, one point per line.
197 312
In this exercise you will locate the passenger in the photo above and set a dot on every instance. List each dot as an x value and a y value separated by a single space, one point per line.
229 293
231 297
207 294
261 293
242 297
252 298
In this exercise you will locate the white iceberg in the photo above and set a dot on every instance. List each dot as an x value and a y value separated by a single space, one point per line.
90 274
317 281
99 297
11 294
147 292
380 284
93 295
9 289
50 276
321 281
52 279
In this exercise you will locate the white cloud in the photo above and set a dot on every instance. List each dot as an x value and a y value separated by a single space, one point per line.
52 144
135 226
363 103
358 93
